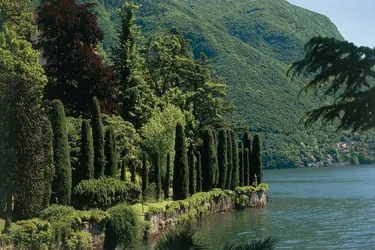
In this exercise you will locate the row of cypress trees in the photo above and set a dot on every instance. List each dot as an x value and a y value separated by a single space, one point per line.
98 155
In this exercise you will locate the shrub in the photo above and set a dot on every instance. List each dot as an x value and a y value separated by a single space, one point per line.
62 182
79 240
104 193
32 234
124 229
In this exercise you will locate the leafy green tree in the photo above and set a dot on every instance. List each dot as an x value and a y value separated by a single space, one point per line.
246 167
144 173
86 167
135 93
110 153
192 173
199 172
181 170
222 158
69 39
257 159
160 131
157 176
167 178
241 162
98 137
235 166
209 161
62 181
228 183
341 70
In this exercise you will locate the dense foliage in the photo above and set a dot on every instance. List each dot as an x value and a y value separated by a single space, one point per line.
222 158
110 152
124 229
210 168
98 137
85 170
104 193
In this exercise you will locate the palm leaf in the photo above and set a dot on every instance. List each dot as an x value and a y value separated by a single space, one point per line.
267 243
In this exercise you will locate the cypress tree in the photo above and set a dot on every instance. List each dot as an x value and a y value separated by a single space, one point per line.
123 170
133 171
192 173
228 182
181 170
144 173
157 176
98 138
199 172
216 169
235 166
246 167
241 161
86 166
222 158
257 159
62 182
209 161
110 153
47 141
167 179
247 144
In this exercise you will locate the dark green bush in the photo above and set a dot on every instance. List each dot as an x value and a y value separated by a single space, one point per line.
104 193
124 229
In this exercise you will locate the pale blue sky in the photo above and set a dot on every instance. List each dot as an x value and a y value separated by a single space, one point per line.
355 19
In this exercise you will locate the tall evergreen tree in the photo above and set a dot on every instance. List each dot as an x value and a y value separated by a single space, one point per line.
123 170
144 173
167 178
135 94
246 167
110 153
133 170
199 172
69 39
181 170
209 161
157 176
241 162
22 166
222 158
62 181
98 137
235 166
257 159
228 182
49 169
192 173
247 144
86 166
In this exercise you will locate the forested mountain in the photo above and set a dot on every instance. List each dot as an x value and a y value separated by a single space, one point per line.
250 43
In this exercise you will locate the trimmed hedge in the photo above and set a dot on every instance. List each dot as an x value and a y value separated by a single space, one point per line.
124 229
104 193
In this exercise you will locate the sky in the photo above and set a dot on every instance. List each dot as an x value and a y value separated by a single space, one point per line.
355 19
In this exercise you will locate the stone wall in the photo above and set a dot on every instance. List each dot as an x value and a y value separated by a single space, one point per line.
189 210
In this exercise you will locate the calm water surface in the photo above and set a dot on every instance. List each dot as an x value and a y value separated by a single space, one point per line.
321 208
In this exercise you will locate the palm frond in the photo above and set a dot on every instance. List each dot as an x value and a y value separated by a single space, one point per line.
267 243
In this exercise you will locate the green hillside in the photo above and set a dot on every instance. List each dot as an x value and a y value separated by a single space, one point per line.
250 43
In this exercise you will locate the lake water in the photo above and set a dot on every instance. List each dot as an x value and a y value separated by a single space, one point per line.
317 208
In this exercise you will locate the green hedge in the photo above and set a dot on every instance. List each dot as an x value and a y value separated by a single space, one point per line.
104 193
124 229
